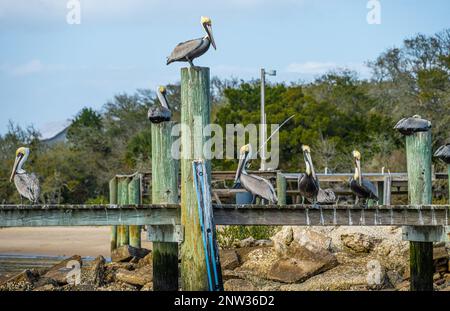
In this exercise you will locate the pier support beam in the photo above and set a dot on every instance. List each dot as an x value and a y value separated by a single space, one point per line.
195 115
418 154
164 190
134 198
123 237
113 201
281 188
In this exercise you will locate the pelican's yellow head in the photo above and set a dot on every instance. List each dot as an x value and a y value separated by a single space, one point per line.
356 154
21 151
305 148
162 89
205 20
245 148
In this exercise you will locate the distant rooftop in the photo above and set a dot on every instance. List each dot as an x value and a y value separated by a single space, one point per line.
52 129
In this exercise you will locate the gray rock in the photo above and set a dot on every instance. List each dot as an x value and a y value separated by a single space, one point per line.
229 259
138 277
358 242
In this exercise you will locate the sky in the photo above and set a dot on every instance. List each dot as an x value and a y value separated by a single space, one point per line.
50 69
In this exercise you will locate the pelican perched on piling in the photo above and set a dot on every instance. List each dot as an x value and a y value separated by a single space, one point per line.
308 183
189 50
160 113
443 153
27 184
361 187
257 186
408 126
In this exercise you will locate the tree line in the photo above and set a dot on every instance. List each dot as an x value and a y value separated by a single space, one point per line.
334 114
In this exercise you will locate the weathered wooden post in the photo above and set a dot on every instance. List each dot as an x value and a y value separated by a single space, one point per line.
112 201
281 188
418 155
195 115
134 197
122 198
165 170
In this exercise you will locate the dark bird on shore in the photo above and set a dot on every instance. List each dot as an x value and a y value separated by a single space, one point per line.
361 187
160 113
308 183
257 186
27 184
408 126
189 50
443 153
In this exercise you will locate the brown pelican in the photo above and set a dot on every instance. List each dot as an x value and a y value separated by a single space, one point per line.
408 126
160 113
27 184
189 50
361 187
308 183
257 186
443 153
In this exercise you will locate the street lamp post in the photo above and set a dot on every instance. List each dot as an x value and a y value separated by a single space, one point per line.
263 130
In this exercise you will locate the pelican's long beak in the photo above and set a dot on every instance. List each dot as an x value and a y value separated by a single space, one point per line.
240 167
308 161
163 99
358 167
16 163
210 35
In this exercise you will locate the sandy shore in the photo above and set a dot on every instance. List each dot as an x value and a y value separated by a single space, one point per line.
58 241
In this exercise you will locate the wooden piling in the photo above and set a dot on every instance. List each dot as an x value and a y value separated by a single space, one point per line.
448 182
112 201
122 198
134 197
195 115
281 188
418 154
164 190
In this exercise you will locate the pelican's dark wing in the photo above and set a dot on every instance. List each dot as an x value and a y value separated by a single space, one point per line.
259 186
408 126
370 188
183 49
443 153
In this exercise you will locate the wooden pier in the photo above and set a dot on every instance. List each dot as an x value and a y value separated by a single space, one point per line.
246 215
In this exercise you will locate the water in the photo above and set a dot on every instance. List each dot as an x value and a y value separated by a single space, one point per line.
307 217
322 221
350 221
392 216
376 218
334 216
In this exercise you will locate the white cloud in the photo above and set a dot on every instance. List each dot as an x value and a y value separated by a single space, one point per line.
317 68
31 67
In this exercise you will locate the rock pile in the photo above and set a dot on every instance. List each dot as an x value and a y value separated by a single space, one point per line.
129 270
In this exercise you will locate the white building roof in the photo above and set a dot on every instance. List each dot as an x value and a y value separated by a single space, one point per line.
52 129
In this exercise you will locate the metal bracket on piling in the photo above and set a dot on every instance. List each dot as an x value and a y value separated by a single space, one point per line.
165 233
426 233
